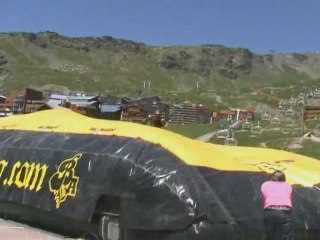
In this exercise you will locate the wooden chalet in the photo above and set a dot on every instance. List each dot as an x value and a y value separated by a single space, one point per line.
3 112
234 115
190 113
154 105
23 101
133 113
224 115
110 107
145 109
86 105
114 100
312 112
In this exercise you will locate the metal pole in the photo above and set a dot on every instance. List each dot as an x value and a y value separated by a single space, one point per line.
302 120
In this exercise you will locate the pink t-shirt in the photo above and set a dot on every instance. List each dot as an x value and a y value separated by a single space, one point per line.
276 193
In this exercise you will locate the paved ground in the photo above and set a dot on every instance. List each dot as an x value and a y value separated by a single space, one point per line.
10 230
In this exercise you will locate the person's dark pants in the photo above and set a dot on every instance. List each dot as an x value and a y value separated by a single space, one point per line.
278 225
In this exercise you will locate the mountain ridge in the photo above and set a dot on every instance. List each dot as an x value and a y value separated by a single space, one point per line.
106 65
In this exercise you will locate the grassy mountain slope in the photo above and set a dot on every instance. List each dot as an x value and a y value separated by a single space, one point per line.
121 67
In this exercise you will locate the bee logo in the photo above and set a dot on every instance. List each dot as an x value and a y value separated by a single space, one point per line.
64 183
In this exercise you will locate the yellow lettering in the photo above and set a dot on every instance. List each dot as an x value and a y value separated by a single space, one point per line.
35 176
21 173
13 173
28 176
3 165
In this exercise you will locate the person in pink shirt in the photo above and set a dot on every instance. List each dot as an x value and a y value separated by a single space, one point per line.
276 195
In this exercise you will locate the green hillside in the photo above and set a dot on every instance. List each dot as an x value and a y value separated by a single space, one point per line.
211 74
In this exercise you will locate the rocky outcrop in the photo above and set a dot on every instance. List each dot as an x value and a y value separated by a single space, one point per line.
207 60
3 61
83 44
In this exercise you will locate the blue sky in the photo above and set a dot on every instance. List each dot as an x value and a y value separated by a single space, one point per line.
259 25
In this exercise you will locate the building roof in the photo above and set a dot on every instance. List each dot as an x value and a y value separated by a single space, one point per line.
71 98
110 108
114 100
58 97
53 104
